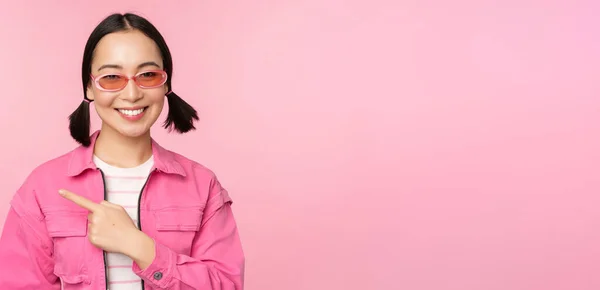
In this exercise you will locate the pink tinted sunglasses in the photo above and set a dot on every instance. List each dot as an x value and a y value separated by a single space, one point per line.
113 82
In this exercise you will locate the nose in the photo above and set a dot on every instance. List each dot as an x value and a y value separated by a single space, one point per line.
131 92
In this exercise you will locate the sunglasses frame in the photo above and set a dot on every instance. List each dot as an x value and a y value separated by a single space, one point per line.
96 80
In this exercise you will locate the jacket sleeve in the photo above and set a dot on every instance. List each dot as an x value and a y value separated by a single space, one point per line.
25 247
217 258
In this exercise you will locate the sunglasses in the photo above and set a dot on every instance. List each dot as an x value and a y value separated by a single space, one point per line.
115 82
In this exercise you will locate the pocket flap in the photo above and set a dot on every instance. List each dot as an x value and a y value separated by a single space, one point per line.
73 279
178 219
67 224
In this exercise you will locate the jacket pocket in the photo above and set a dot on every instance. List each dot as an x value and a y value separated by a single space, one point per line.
68 231
177 227
79 282
178 219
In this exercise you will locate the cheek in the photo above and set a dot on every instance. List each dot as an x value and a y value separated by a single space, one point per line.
103 100
157 101
103 107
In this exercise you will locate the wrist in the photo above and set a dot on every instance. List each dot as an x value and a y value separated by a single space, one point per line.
141 249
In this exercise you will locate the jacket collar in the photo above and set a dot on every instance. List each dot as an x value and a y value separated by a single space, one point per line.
82 159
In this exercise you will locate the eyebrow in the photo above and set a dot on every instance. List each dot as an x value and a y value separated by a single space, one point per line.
148 63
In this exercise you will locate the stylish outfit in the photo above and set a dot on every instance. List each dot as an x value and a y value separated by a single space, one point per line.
180 204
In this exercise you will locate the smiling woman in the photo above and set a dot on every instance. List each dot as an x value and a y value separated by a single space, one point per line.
128 83
120 211
124 56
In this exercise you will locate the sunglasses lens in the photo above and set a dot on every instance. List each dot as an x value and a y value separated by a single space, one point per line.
151 79
112 82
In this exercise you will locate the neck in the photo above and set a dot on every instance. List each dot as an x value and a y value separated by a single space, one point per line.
122 151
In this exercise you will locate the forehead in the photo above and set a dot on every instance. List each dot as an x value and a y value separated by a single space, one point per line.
127 49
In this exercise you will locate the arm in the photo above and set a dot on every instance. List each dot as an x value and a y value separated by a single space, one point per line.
217 259
25 247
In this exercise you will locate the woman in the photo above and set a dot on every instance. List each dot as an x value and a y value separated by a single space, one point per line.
120 211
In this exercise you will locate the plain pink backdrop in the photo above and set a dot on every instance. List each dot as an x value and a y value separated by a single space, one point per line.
367 144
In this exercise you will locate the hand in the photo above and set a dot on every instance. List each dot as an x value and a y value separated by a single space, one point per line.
109 226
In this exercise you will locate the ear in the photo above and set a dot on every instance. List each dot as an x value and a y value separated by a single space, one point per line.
90 93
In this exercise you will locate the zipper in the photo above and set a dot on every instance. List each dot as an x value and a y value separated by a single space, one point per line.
104 252
139 223
139 216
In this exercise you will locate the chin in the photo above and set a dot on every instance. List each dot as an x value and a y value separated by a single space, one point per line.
134 132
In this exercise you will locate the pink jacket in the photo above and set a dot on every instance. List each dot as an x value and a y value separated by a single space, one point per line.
183 207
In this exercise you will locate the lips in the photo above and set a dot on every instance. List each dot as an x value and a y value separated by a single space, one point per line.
132 111
132 114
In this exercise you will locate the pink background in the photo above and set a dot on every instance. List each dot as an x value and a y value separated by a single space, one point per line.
367 144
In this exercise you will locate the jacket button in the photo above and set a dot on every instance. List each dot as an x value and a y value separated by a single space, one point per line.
158 275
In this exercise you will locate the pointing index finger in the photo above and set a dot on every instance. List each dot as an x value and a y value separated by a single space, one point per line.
79 200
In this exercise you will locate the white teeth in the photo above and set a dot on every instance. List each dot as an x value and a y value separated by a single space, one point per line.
131 112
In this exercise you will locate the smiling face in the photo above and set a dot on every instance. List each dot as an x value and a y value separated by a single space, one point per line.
127 108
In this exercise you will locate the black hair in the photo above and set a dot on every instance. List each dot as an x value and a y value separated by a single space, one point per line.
181 115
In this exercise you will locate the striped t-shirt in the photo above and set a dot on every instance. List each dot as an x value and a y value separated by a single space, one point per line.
123 186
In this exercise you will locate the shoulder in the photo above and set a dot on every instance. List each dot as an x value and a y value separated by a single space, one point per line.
50 169
205 178
27 196
191 167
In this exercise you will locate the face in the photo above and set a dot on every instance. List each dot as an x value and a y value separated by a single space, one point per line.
129 108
